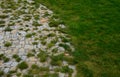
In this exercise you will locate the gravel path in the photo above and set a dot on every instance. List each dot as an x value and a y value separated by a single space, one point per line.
29 36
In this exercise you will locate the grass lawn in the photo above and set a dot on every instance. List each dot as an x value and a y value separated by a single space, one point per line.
94 27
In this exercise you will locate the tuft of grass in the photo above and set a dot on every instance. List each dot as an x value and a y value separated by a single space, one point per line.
27 18
54 75
7 11
44 69
2 22
6 59
66 69
43 56
36 17
53 23
29 35
8 44
34 66
57 60
65 46
36 24
30 54
4 16
1 73
28 75
51 35
22 65
35 43
16 57
11 24
1 25
7 29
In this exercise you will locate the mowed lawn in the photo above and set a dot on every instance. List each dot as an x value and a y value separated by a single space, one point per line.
94 26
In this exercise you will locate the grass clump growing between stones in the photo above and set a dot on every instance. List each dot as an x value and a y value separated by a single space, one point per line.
50 45
65 46
57 69
51 35
20 28
34 66
66 69
8 44
2 22
43 42
44 69
11 24
27 18
18 74
36 38
26 30
1 73
16 57
4 58
70 60
54 75
30 54
54 23
4 16
43 56
1 25
35 43
46 14
12 72
7 11
36 17
36 24
64 39
28 75
1 56
34 69
29 35
23 65
7 29
55 50
57 60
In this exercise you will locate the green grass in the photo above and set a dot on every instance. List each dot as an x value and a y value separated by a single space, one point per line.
22 65
94 28
8 44
8 29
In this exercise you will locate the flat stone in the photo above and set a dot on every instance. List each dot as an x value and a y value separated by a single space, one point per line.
23 57
19 46
8 52
14 64
21 53
6 70
61 74
61 49
1 37
14 31
28 47
32 59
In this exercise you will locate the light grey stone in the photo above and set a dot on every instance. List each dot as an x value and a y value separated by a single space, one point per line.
14 64
6 70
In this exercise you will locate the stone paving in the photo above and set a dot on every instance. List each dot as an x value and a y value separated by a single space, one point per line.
25 32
